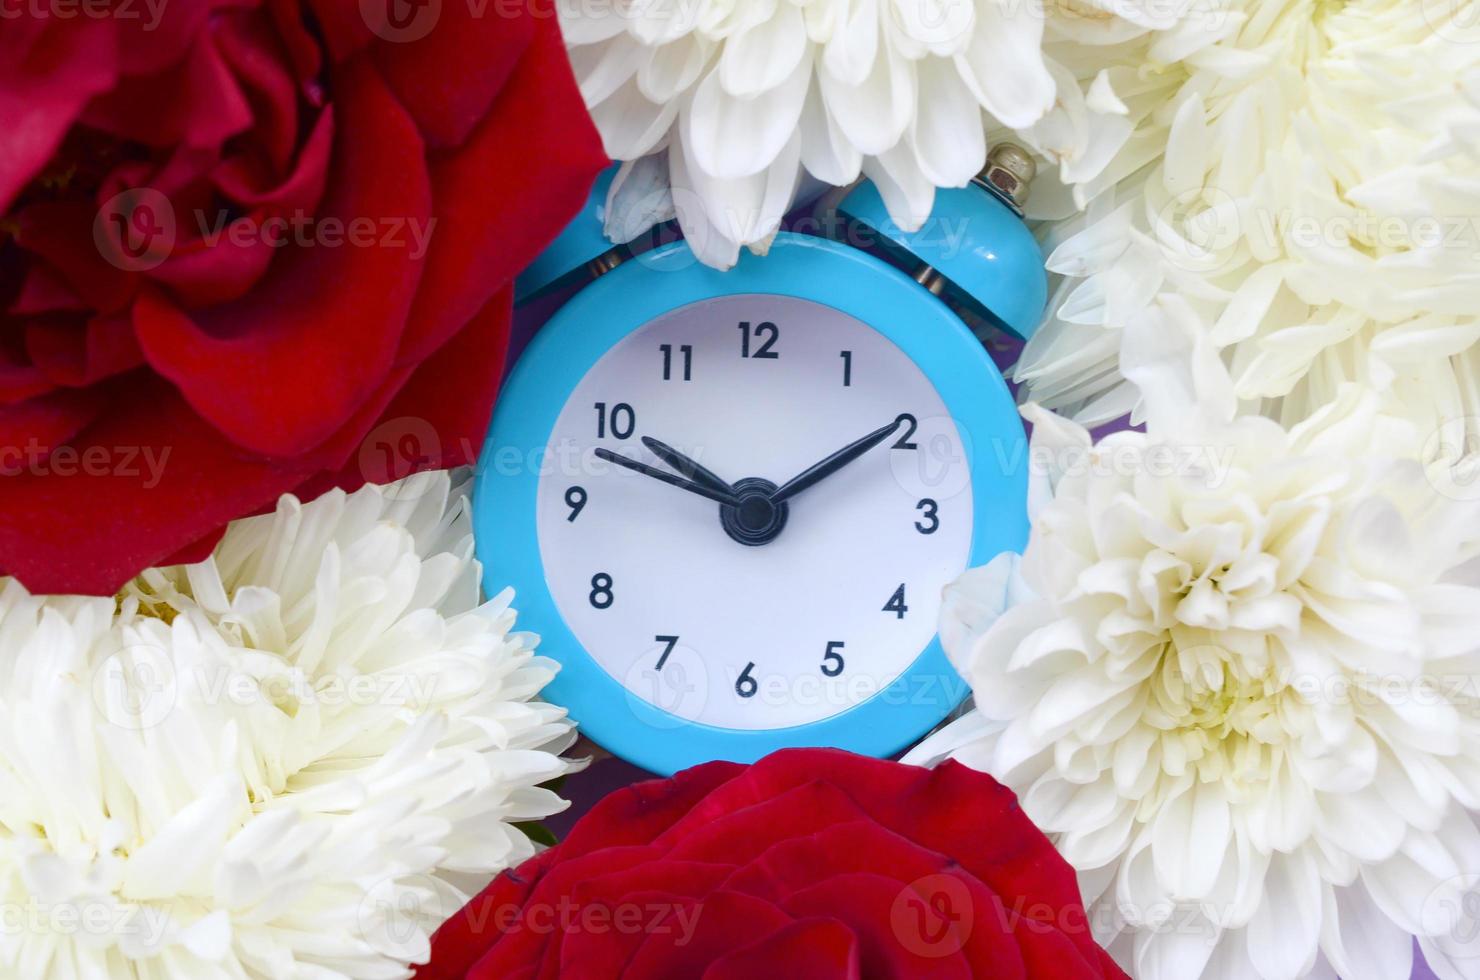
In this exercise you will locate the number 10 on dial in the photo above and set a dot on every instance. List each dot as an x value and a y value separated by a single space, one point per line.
729 502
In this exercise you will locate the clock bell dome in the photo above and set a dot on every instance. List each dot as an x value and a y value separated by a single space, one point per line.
974 250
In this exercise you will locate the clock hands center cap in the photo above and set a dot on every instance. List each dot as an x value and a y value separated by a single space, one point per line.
757 520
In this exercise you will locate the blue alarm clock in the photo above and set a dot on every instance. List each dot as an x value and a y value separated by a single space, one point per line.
729 501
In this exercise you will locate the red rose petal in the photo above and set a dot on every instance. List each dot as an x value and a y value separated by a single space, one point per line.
749 832
303 187
865 847
1051 953
30 430
38 101
724 921
290 23
340 22
460 941
158 33
605 936
281 370
61 233
448 79
691 878
195 102
104 348
19 382
228 259
818 949
614 911
533 934
221 268
44 292
887 946
169 480
438 412
261 65
127 520
943 809
637 814
858 897
479 246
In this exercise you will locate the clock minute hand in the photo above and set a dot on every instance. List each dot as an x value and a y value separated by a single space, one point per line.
686 466
833 463
668 478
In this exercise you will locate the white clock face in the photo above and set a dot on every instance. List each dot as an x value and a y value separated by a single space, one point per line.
826 612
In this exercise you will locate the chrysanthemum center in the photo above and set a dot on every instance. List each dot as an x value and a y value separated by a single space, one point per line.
1217 712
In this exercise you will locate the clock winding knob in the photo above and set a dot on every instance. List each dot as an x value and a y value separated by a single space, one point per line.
1009 173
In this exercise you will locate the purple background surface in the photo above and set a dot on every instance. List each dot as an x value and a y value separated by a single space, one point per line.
608 774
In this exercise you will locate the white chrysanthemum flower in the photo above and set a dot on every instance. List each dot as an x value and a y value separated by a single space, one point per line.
1306 174
725 103
290 760
1236 677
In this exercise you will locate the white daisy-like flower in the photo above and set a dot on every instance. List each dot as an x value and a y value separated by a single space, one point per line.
1305 174
721 105
293 759
1236 677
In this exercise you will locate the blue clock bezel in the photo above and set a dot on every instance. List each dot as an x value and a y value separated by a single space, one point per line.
825 272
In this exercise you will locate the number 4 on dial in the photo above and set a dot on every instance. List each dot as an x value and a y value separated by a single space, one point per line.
896 603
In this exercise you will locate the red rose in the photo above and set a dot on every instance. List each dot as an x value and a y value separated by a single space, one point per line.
254 246
811 863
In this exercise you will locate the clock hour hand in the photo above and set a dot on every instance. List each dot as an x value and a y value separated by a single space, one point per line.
668 478
686 466
833 463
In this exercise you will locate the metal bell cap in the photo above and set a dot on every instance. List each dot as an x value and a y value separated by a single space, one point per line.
975 238
580 242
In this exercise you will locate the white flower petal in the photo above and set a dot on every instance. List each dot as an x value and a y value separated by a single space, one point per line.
1284 932
730 138
765 55
851 52
875 111
826 151
907 192
1003 65
629 124
1361 942
946 134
